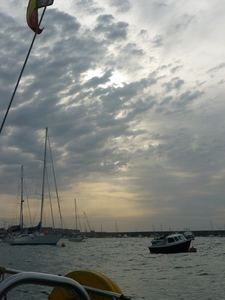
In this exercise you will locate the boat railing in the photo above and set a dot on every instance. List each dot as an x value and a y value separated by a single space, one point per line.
36 278
42 279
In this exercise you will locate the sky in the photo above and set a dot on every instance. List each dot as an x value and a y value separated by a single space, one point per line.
132 93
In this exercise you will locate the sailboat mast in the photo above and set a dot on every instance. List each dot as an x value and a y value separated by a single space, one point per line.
75 203
21 201
56 189
43 178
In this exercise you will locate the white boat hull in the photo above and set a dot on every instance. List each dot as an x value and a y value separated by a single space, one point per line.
76 239
34 239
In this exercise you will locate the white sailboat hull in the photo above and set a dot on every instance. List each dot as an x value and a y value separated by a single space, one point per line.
34 239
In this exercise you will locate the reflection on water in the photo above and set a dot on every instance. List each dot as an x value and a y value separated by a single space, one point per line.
140 274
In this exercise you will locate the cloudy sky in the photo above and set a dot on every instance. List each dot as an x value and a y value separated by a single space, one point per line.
132 93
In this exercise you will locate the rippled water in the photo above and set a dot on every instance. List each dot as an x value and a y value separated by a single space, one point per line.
127 261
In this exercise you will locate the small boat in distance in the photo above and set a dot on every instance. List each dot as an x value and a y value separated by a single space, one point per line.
76 237
172 243
188 234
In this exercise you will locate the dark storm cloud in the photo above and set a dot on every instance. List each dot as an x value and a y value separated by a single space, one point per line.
88 127
57 25
10 50
112 31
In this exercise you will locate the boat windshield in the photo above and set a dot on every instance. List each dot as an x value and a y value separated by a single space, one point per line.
170 240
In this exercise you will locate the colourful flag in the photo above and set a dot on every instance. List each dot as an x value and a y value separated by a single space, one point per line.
32 13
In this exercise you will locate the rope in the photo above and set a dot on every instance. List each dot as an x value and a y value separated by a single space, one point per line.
21 73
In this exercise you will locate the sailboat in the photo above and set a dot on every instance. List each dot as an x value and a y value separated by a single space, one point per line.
35 235
75 237
17 229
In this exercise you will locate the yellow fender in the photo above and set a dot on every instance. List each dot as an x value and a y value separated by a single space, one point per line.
89 278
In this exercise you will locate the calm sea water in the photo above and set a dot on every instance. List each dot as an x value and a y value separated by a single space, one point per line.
127 261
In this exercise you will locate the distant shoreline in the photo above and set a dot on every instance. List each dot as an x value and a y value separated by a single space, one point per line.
124 234
197 233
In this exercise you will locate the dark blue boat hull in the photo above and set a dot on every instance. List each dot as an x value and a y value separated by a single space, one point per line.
181 247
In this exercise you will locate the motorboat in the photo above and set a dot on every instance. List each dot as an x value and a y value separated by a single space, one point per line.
172 243
75 238
189 235
82 285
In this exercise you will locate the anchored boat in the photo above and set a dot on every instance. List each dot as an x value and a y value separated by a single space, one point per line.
35 235
76 237
173 243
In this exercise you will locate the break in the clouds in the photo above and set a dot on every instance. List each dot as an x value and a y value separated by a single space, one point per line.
133 95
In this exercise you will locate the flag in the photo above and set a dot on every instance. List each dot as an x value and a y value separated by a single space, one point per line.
32 13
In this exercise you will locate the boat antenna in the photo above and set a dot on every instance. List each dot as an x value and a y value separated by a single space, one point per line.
75 212
21 72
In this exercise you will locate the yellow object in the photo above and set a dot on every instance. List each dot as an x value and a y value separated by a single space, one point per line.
63 244
88 278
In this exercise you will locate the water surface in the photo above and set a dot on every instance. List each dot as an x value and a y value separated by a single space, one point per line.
127 261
